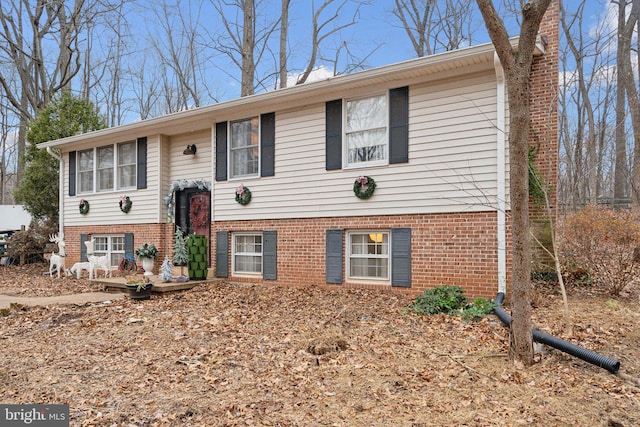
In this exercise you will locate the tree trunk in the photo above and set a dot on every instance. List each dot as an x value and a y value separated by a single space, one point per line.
248 46
620 171
519 122
517 67
284 34
634 103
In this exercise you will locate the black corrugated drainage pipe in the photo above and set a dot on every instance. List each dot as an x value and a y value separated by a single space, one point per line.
572 349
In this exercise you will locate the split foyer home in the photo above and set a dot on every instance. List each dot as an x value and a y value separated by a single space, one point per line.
391 178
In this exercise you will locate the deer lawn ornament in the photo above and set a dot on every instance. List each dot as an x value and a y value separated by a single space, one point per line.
56 262
97 262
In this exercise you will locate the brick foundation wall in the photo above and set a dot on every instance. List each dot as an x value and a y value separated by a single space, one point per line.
446 249
159 234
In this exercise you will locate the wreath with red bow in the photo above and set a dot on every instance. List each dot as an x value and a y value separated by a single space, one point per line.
198 212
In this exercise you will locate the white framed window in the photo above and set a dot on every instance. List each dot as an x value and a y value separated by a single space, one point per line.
247 253
244 148
368 255
104 168
127 162
366 135
110 245
85 171
114 168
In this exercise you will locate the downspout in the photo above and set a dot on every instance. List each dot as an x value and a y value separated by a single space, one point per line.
60 192
501 204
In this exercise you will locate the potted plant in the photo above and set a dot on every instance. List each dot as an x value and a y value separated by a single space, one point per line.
139 288
148 253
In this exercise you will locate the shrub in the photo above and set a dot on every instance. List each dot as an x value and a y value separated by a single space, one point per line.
600 243
450 300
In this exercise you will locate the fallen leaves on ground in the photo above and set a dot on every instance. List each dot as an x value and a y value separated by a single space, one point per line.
236 354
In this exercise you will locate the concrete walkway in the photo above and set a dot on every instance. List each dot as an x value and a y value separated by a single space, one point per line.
79 299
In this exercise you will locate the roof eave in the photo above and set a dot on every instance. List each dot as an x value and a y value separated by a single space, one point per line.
431 65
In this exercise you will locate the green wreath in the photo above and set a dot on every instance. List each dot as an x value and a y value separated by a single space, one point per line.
243 195
125 204
363 187
84 206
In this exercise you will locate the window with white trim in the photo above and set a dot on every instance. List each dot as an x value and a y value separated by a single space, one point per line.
368 255
247 253
104 168
114 168
244 148
85 171
366 131
110 245
127 165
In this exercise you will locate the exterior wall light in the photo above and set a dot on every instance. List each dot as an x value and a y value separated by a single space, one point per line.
190 150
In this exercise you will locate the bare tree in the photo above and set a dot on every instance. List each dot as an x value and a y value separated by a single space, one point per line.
284 37
632 98
517 68
178 52
433 26
244 42
323 26
25 27
620 174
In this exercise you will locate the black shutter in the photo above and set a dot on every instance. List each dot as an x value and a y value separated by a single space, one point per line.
267 144
399 125
83 247
222 254
221 152
269 255
72 173
128 246
401 257
142 163
333 135
334 256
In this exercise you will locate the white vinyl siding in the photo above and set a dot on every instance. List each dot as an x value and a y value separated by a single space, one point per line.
148 206
452 161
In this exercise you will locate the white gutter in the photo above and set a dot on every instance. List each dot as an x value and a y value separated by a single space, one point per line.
501 176
60 192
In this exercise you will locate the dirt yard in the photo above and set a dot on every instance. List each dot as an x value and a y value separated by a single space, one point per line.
226 354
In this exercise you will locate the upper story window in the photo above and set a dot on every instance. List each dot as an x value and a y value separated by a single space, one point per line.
85 171
244 148
105 173
366 131
127 165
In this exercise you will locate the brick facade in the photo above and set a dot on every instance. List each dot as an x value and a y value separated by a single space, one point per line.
447 249
160 234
